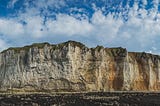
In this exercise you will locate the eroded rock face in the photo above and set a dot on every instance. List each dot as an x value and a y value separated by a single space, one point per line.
71 66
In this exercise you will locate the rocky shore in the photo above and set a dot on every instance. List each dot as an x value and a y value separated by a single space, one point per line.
82 99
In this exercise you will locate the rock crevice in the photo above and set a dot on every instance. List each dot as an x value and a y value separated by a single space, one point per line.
71 66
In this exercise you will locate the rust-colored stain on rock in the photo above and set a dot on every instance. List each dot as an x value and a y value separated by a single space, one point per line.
71 66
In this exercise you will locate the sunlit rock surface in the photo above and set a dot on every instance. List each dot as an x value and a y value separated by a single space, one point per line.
71 66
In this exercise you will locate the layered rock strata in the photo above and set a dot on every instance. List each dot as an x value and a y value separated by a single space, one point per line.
71 66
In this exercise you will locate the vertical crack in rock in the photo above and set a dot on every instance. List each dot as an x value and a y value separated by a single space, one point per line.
71 66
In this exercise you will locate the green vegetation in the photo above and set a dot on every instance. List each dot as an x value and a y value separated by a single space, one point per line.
99 48
119 51
41 45
72 43
146 56
26 48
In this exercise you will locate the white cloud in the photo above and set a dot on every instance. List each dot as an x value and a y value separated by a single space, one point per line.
144 2
45 3
3 44
12 3
34 27
10 28
66 25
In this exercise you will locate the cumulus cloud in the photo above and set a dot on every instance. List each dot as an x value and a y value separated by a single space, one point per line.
3 44
139 33
144 2
66 25
10 28
12 3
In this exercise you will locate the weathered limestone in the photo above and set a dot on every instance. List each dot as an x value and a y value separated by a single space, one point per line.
71 66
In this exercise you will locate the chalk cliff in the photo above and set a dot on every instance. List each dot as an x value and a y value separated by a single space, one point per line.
71 66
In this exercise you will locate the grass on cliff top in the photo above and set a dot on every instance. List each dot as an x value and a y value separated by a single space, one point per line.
26 48
116 51
111 51
145 53
139 55
72 43
41 45
57 46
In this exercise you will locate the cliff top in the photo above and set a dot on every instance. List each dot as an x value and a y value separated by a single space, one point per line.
72 43
17 49
41 45
114 51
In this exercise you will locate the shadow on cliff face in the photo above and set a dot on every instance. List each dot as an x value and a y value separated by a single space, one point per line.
119 61
119 78
118 83
71 66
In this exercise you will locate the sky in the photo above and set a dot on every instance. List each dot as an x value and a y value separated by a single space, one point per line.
131 24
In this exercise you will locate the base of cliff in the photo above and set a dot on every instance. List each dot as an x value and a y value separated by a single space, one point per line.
82 99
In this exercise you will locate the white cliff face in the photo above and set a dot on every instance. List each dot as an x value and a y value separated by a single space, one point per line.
71 66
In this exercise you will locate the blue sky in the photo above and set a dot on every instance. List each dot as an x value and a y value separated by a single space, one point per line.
132 24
